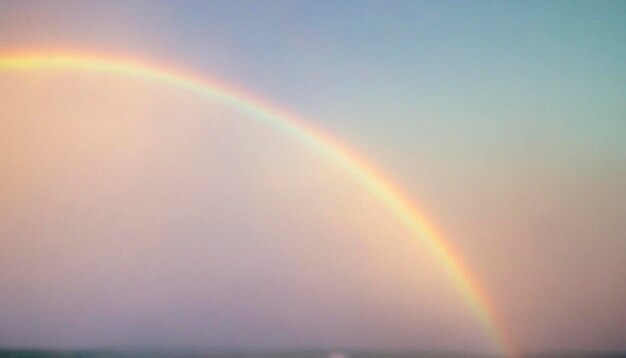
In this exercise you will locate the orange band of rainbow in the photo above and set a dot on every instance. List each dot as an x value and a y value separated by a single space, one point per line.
372 180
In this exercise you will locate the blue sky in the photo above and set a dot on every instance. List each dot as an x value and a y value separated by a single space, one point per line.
507 120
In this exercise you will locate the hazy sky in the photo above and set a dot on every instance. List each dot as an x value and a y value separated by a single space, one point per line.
137 215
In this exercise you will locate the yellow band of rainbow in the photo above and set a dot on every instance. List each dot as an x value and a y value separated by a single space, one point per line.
372 180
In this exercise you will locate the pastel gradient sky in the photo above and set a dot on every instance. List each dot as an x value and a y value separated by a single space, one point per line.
133 214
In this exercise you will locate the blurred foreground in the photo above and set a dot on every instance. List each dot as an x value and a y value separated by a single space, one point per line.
282 354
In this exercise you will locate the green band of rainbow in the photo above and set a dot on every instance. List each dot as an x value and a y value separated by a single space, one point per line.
371 179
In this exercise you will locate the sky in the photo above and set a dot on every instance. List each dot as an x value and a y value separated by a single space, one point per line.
135 214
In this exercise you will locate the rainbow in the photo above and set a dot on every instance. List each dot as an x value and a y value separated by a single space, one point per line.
374 181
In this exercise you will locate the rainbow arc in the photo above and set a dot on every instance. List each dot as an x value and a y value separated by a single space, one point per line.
371 179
